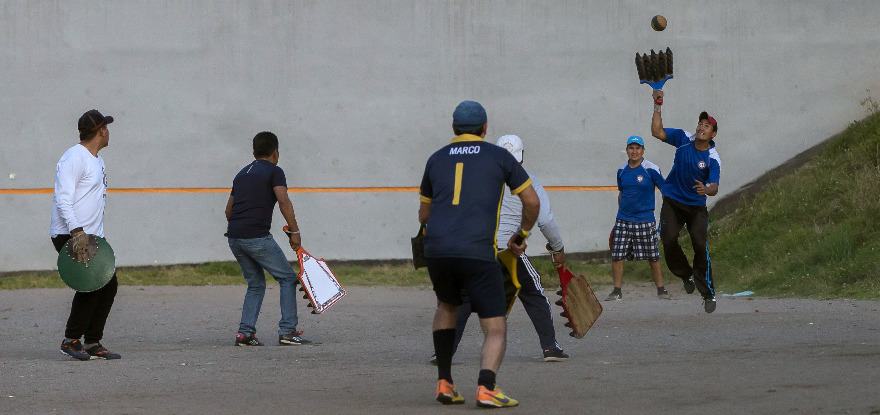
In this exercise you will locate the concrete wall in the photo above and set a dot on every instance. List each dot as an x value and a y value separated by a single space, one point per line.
361 93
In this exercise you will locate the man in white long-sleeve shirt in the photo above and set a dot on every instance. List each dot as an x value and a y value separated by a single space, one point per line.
78 211
532 293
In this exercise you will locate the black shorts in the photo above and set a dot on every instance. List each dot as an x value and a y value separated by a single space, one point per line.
481 279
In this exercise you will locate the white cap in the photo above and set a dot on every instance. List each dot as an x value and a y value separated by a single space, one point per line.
512 144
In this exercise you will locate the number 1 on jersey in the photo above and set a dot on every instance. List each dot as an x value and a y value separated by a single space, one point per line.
459 169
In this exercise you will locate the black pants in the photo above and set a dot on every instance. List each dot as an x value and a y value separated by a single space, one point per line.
89 311
532 296
674 216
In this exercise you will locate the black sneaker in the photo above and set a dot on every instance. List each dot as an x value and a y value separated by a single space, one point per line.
99 352
709 304
614 296
689 286
555 355
242 339
664 295
74 349
292 338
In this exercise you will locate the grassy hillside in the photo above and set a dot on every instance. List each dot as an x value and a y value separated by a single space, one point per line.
813 233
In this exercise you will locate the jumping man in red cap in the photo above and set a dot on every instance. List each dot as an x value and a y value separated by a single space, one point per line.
695 174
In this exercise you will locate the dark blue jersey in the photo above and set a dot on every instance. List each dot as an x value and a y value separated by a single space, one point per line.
253 199
690 164
636 186
464 183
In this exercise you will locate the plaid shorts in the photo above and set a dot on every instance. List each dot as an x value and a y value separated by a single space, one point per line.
634 241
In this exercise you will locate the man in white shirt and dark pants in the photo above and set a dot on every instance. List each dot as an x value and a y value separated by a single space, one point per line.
78 211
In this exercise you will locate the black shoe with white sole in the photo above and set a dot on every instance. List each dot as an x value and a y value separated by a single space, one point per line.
249 339
689 286
709 304
555 355
293 338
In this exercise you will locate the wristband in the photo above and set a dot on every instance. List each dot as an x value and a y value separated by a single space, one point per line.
522 233
554 252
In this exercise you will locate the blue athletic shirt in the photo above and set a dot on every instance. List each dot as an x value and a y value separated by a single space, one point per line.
253 199
689 165
636 187
464 183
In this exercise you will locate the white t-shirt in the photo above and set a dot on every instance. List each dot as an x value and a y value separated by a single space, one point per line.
80 193
511 216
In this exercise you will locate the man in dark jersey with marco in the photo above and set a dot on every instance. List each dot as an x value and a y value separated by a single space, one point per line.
695 174
460 195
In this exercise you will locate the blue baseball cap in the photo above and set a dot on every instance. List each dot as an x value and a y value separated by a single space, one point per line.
635 139
469 114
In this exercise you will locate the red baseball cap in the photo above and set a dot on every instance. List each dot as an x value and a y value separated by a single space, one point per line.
705 116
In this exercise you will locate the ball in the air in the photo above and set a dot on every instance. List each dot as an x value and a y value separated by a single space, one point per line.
658 23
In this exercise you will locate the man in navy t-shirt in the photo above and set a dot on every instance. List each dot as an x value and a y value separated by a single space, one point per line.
255 190
461 195
695 174
634 236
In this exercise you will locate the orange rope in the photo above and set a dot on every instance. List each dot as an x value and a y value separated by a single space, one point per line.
290 190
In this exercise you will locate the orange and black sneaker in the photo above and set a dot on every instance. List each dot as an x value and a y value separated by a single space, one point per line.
99 352
446 393
494 398
74 349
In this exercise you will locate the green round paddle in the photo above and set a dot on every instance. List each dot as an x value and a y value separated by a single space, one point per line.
89 276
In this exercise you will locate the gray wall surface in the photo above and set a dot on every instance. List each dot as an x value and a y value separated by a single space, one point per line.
362 92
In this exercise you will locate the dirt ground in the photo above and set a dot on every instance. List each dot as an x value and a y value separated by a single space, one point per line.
644 355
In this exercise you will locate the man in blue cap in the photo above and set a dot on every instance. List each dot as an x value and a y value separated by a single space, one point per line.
634 236
460 198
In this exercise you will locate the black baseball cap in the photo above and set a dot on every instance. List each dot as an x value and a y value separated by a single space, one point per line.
92 121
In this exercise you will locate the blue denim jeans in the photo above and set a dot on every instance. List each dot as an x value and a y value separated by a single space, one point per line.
254 256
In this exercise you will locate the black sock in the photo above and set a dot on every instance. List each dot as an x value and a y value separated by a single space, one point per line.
486 379
616 290
444 343
661 289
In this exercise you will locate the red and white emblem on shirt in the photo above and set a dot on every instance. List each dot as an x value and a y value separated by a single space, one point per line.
701 165
639 178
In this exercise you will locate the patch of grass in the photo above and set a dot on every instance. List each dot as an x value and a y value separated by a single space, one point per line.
812 233
215 273
228 273
25 280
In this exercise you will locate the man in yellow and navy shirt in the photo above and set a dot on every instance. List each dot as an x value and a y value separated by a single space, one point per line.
461 195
